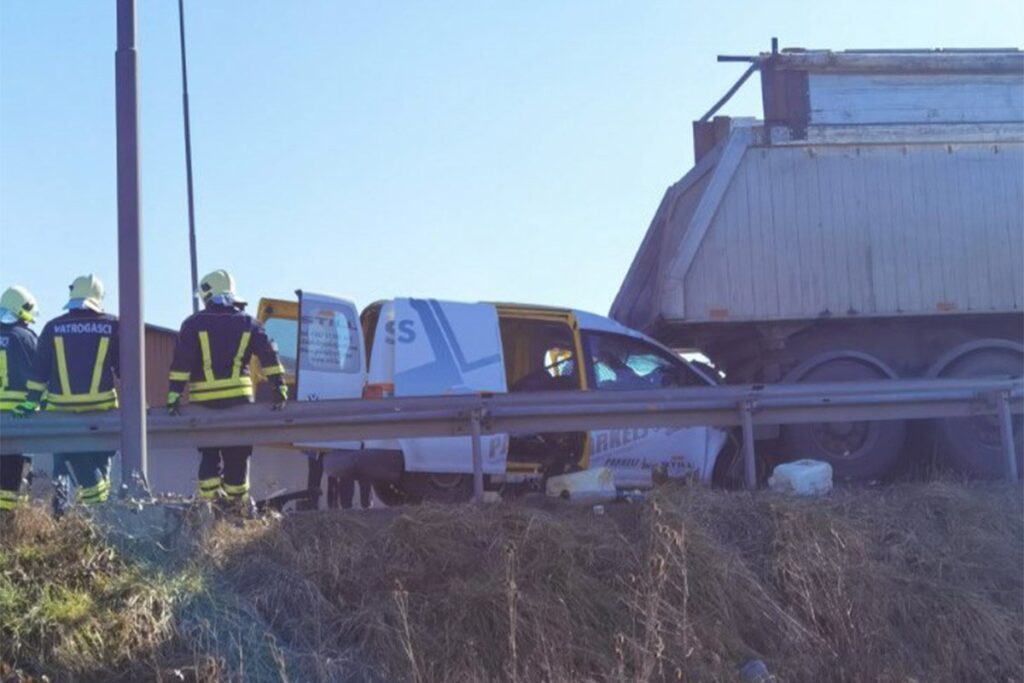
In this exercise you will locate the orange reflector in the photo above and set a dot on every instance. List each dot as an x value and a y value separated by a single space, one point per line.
718 313
945 306
380 390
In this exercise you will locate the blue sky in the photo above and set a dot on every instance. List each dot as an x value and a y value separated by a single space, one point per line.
461 150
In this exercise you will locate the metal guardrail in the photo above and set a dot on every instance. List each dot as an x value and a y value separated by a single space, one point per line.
478 414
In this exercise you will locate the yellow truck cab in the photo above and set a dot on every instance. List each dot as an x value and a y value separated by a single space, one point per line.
426 347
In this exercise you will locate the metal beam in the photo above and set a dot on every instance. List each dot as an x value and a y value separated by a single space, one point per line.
193 260
478 457
749 455
1006 429
524 413
132 441
732 91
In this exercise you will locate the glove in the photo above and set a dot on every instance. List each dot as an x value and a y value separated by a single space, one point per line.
173 402
25 408
280 396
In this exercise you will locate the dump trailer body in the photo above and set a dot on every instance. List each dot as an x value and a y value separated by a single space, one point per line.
893 194
870 225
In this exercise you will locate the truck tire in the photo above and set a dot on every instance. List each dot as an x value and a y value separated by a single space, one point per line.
974 445
857 451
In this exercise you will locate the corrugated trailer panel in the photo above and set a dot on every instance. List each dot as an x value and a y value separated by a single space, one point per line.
839 99
805 231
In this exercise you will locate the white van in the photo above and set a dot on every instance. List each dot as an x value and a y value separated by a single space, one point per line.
425 347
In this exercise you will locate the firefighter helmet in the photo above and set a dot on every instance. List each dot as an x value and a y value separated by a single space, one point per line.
17 303
86 292
219 287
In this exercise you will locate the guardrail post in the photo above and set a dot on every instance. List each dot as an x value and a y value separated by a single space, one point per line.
749 457
1009 448
478 456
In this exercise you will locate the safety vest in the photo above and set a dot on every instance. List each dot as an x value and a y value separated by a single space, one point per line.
76 362
17 356
212 356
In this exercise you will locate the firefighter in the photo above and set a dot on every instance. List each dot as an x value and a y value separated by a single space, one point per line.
212 358
17 356
75 366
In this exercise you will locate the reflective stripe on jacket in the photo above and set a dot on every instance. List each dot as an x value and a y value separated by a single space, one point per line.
76 362
212 356
17 356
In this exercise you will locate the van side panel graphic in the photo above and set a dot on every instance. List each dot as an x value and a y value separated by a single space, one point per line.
449 370
448 348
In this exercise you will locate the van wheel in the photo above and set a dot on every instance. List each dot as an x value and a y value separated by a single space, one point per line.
422 487
390 494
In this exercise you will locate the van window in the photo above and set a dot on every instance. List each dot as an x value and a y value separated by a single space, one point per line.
330 341
621 363
539 355
285 333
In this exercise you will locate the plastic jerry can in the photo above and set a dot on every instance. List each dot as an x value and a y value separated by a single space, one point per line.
589 486
802 477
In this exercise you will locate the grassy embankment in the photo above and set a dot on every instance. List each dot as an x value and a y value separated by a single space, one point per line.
913 581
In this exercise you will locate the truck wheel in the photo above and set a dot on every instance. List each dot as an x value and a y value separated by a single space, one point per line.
974 445
857 451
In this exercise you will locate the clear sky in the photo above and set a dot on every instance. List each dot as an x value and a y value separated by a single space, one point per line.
460 150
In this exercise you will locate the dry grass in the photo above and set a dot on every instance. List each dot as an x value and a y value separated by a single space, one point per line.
920 582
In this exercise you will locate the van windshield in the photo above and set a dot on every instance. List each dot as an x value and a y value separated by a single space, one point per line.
621 363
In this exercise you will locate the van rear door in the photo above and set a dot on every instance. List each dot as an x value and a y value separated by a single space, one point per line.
321 346
331 363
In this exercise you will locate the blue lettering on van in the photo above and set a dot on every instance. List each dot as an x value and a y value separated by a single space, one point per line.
449 360
611 439
406 331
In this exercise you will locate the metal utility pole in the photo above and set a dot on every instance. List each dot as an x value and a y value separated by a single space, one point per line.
188 160
129 254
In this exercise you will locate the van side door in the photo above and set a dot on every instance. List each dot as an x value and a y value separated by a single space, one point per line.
425 347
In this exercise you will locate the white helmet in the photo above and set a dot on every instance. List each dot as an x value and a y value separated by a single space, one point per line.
17 303
219 287
86 292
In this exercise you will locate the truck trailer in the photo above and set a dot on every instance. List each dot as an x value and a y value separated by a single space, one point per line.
869 226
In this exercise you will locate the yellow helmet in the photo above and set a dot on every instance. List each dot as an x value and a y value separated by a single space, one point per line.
86 292
219 287
17 303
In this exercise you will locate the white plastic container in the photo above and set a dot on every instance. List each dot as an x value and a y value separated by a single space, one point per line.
802 477
589 486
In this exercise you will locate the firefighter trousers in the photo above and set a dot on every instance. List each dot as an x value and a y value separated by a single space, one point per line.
12 473
224 469
91 473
